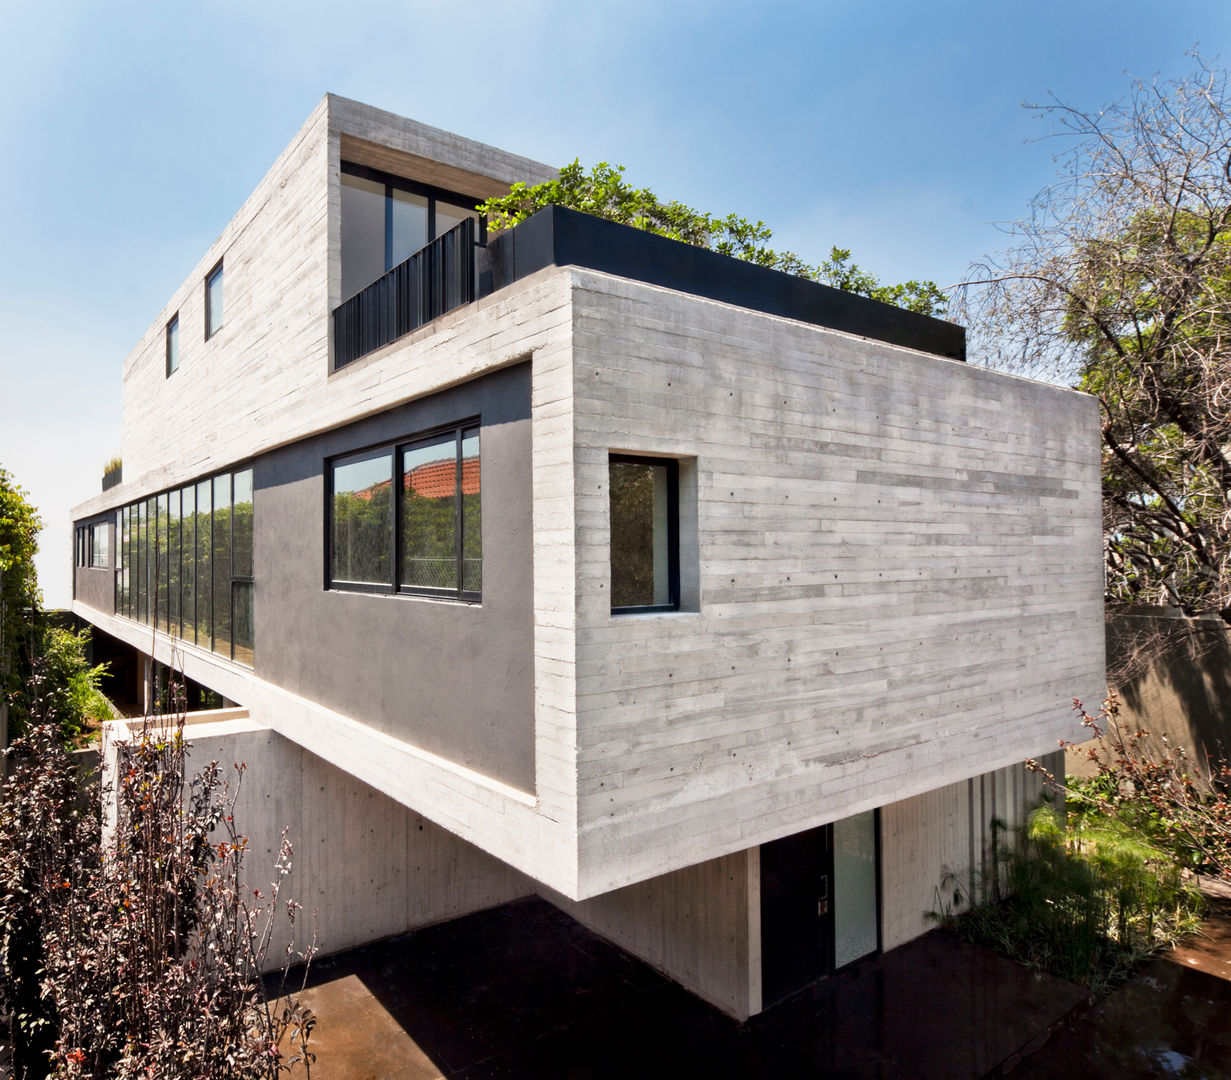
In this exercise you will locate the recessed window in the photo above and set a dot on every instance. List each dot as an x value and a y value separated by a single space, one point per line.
645 561
173 344
213 302
386 219
422 534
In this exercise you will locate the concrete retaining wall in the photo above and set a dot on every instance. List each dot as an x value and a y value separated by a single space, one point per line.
364 866
1173 678
700 925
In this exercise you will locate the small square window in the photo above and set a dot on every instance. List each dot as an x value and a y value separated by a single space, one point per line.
213 302
645 546
173 343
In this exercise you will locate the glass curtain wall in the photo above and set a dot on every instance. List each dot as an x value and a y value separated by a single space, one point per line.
185 564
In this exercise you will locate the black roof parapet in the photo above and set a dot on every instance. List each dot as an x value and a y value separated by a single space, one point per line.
556 236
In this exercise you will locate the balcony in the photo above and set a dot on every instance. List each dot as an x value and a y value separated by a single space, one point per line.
435 279
443 276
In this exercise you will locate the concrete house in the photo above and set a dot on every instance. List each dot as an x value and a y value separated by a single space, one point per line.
718 607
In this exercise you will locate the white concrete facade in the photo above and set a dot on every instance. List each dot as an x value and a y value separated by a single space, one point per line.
891 571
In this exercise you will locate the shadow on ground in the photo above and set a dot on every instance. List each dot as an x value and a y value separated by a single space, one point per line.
1171 1019
524 991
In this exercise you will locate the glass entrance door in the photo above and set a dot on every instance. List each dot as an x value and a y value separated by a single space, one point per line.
819 903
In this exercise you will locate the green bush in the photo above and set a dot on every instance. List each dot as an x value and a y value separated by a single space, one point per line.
69 686
1087 905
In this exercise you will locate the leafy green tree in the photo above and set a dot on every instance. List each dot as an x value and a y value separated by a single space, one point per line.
603 192
43 667
1119 283
19 594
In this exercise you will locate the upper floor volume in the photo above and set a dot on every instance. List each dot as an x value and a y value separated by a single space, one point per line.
607 553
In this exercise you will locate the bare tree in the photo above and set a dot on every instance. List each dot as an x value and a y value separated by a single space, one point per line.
1119 282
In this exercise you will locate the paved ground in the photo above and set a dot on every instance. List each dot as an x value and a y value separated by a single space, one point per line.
523 991
1172 1019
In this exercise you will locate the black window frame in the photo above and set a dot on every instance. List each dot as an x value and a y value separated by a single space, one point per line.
210 278
140 573
673 530
394 586
413 187
172 332
93 559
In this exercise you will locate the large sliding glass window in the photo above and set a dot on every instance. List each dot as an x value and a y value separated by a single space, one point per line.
205 597
361 520
121 566
162 565
100 545
386 219
242 637
430 523
142 562
186 563
174 556
222 564
437 547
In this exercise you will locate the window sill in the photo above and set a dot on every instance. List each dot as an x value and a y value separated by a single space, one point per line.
620 616
390 594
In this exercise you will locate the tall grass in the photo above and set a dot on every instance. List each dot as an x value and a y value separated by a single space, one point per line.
1087 905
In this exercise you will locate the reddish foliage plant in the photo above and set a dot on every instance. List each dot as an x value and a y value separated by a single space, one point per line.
139 954
1176 800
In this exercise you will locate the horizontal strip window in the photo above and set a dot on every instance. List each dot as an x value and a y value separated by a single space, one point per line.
407 517
185 563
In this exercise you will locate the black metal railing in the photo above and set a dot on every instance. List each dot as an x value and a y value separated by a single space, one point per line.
435 279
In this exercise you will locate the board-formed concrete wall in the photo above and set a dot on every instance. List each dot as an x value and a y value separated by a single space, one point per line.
897 580
937 847
700 926
364 867
900 577
264 379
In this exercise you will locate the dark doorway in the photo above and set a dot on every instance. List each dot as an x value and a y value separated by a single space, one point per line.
819 903
796 912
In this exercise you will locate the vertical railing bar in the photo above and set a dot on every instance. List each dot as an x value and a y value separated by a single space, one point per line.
434 280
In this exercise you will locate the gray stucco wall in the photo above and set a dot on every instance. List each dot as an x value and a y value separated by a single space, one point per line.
95 585
454 679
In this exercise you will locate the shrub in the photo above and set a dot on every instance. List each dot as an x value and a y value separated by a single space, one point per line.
141 955
1171 799
1087 905
66 686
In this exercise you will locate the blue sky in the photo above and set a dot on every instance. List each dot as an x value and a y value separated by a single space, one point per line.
134 131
